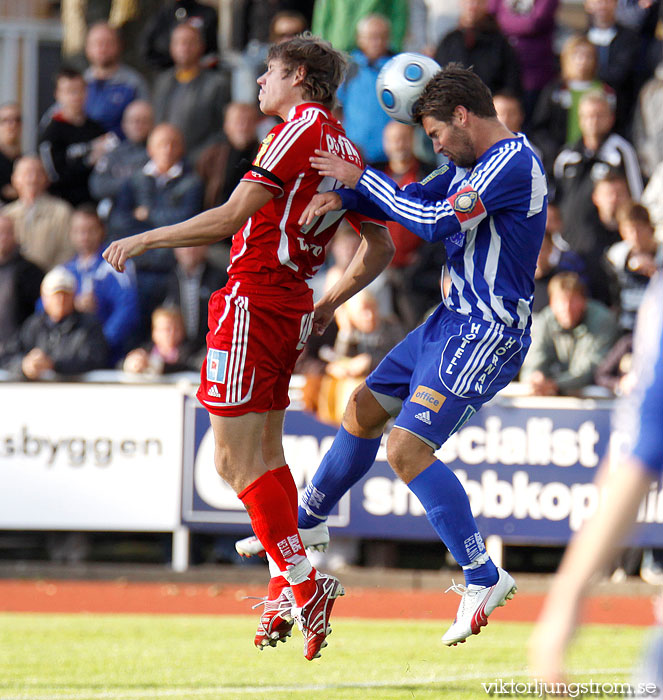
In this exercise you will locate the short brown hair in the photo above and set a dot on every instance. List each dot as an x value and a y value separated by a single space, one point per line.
633 213
598 95
88 209
452 87
67 72
171 312
325 66
570 45
569 282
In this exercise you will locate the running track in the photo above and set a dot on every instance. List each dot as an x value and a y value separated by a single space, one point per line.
56 596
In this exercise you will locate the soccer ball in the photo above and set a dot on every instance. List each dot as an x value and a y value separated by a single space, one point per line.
401 82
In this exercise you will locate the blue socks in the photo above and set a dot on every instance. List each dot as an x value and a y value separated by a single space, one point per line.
448 509
441 494
347 461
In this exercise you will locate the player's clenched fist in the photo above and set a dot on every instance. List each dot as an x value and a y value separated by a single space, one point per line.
120 251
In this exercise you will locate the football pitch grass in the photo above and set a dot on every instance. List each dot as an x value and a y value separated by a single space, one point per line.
150 657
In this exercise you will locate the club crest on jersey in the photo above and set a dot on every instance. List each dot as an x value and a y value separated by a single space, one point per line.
468 207
263 148
465 202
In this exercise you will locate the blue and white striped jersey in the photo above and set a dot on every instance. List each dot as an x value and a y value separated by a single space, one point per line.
491 218
639 416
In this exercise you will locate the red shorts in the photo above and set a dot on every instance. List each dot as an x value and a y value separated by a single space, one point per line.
252 346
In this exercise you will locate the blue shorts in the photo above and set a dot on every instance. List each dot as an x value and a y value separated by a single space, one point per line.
441 374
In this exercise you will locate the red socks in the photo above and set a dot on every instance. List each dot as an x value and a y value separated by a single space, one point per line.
270 507
284 476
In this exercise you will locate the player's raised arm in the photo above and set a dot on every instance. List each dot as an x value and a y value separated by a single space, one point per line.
420 214
592 548
375 252
330 165
622 490
212 225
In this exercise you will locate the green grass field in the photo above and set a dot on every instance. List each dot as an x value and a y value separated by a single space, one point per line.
128 657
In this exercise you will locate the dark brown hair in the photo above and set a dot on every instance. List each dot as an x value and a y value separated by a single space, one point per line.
324 65
452 87
67 72
633 213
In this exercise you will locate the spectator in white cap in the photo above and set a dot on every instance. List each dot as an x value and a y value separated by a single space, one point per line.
57 340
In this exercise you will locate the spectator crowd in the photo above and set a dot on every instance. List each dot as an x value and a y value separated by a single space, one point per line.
130 145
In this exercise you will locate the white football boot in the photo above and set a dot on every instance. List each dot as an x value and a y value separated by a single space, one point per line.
476 604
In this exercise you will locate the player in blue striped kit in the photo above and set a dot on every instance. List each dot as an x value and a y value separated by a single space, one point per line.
488 204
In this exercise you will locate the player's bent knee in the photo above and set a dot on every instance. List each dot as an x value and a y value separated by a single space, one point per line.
222 461
364 417
407 455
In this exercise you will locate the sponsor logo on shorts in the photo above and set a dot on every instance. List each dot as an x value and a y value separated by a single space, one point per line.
217 361
214 391
424 417
470 336
428 398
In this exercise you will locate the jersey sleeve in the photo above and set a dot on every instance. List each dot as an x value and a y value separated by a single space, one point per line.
283 153
433 186
429 218
499 183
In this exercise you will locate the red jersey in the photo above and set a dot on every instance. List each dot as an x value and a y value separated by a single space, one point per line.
404 240
271 249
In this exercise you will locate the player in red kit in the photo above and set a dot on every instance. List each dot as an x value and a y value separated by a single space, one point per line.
262 318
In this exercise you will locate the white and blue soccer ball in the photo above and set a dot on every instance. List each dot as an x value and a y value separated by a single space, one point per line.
401 82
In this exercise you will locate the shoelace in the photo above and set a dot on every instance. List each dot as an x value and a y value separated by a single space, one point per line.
282 602
459 588
262 600
465 593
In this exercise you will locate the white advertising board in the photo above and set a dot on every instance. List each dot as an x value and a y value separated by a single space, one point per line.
90 457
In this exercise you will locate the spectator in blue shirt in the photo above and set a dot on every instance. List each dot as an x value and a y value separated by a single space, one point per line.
363 118
111 85
100 290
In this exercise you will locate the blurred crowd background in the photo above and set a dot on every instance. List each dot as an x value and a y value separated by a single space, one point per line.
150 117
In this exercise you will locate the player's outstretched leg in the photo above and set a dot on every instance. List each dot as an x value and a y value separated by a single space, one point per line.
448 510
349 458
346 462
313 617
